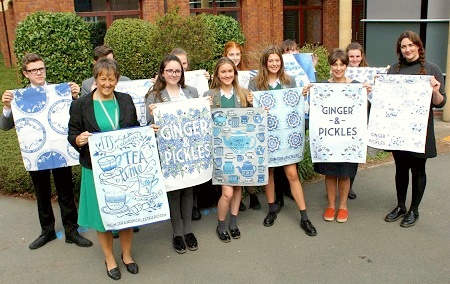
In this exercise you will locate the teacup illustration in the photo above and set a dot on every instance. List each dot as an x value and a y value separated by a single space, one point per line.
109 163
240 158
218 151
250 128
217 141
218 162
234 122
261 127
244 119
260 136
216 131
261 169
115 200
218 172
146 182
233 179
260 160
261 178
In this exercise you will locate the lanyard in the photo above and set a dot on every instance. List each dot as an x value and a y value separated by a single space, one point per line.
116 124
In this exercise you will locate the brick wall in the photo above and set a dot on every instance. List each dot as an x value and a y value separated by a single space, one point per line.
331 24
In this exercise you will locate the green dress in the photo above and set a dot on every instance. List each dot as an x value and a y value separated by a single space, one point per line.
88 210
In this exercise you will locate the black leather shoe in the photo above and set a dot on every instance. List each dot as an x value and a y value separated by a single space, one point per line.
224 237
78 240
254 202
279 204
113 273
42 240
196 215
132 267
242 207
410 219
308 228
396 214
351 194
135 229
270 219
235 233
178 244
191 241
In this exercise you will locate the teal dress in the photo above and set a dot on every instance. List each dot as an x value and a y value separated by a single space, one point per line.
88 210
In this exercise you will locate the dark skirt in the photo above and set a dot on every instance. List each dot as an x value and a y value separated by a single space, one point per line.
336 169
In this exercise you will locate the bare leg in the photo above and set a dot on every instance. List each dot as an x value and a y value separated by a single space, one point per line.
224 202
106 243
295 185
235 200
330 186
126 239
344 188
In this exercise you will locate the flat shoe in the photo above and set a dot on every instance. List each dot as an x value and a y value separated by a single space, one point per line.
308 227
410 219
395 214
224 237
342 215
235 233
113 273
351 194
270 219
178 244
329 214
191 242
42 240
131 267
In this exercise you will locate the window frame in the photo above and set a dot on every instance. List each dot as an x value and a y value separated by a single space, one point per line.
109 14
217 10
301 19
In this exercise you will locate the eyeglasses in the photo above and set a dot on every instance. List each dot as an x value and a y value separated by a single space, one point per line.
176 72
34 71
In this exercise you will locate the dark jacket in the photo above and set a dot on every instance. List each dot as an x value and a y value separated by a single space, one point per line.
82 118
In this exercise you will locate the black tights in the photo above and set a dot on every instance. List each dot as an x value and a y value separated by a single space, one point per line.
419 179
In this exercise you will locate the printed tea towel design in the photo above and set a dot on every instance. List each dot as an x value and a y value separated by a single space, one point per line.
338 123
399 112
197 80
137 89
285 124
41 117
184 142
240 146
128 179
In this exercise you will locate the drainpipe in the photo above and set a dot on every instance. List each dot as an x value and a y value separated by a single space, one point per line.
446 112
6 33
345 23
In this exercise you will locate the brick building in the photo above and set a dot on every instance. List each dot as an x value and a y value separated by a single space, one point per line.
312 21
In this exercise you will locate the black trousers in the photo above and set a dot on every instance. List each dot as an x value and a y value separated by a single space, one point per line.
404 163
64 188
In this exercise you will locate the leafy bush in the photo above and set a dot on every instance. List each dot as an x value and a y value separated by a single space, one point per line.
224 29
322 67
98 32
62 39
190 33
133 42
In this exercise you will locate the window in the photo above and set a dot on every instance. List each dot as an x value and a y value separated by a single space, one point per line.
230 8
302 20
107 10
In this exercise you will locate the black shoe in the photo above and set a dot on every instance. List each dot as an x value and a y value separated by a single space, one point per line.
410 219
254 202
191 241
42 240
308 228
396 214
135 229
115 234
242 207
224 237
279 204
235 233
178 244
196 215
78 240
113 273
270 219
132 267
351 194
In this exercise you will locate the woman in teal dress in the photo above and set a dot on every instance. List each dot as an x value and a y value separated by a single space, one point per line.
102 110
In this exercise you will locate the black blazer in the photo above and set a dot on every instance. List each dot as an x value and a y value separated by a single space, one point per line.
82 118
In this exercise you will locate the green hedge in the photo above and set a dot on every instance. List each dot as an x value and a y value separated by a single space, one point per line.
62 39
322 67
133 42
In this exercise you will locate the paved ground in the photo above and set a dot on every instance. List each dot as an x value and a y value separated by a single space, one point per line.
365 249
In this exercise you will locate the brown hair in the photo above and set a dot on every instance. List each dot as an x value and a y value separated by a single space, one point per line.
261 79
357 46
29 58
160 83
412 36
102 51
240 92
288 45
232 44
338 54
106 64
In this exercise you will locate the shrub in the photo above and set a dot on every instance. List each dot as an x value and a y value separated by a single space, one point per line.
98 32
322 67
133 42
190 33
62 39
224 29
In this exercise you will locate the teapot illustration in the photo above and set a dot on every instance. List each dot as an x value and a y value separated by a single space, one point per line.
247 170
239 142
258 118
218 118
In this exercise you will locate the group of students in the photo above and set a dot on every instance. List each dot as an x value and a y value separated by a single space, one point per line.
104 109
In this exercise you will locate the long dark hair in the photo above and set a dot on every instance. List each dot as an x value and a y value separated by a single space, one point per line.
357 46
412 36
160 83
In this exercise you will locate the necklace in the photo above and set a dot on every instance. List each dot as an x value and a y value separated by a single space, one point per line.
114 125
